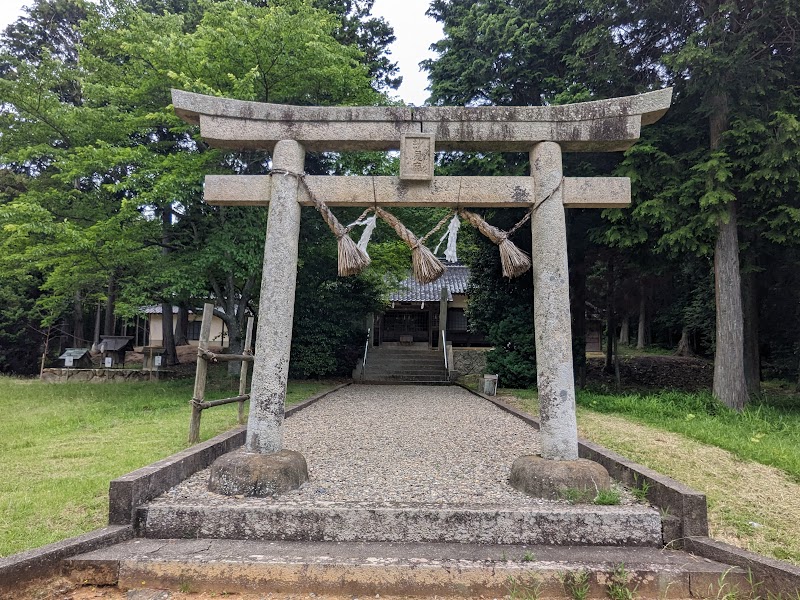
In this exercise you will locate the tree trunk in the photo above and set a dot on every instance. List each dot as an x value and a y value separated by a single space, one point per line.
111 298
63 335
44 351
684 344
752 357
641 334
797 387
182 326
611 321
168 337
577 288
96 336
235 345
78 340
624 330
730 386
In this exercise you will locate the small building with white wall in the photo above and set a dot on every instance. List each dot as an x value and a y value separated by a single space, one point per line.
219 334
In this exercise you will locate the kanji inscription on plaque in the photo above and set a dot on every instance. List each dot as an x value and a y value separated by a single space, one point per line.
416 156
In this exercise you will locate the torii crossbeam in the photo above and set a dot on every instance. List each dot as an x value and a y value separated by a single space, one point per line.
289 131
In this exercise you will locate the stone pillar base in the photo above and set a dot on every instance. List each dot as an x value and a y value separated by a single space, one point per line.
544 478
259 475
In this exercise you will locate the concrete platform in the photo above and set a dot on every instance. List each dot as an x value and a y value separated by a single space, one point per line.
549 524
392 464
422 570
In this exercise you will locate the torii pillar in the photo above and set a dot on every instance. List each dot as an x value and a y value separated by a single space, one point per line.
265 468
551 314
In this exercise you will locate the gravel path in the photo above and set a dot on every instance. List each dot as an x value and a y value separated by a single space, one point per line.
397 446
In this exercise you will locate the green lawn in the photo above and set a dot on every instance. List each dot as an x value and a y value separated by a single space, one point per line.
61 444
767 431
747 464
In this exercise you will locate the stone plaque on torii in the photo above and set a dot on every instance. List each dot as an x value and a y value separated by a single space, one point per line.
289 131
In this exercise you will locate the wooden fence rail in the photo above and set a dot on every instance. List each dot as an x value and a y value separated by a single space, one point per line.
205 356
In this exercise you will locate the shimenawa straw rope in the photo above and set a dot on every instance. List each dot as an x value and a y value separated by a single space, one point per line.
514 261
352 260
425 266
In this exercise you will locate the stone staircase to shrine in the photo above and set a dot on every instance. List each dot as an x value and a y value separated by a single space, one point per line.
404 365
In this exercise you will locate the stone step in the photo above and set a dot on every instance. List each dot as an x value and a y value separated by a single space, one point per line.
415 375
389 381
407 363
401 379
439 361
398 382
589 525
405 351
437 357
438 373
417 570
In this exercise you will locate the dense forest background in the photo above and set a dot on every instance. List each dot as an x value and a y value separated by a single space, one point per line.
100 183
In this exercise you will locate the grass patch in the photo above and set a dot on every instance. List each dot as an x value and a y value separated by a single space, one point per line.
607 498
750 503
576 495
63 443
767 431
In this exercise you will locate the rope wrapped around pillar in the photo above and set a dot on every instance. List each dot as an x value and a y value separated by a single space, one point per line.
515 262
352 259
425 265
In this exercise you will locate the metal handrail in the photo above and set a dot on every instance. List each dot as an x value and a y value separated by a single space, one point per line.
444 349
366 347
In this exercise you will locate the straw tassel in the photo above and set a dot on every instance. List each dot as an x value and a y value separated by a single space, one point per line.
425 265
515 262
352 259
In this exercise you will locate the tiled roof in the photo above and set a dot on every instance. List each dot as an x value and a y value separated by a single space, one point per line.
115 342
156 310
455 278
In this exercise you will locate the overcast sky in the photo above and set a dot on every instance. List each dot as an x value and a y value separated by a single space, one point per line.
414 31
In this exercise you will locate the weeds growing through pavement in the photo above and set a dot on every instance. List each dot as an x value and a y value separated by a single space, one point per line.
618 586
607 498
640 488
521 589
576 584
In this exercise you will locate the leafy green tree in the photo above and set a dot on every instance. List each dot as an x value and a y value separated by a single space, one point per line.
112 179
372 35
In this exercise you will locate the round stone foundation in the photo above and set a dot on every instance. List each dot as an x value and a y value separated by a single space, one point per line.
550 479
258 475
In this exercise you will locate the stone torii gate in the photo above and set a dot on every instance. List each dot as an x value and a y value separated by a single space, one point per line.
289 131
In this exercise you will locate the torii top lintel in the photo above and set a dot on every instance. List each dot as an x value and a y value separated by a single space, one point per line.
598 126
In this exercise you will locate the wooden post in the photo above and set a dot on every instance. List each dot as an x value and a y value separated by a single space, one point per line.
248 343
200 374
